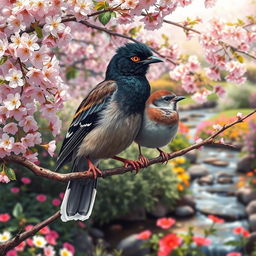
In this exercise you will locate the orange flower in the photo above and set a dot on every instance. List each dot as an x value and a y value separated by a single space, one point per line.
180 187
250 174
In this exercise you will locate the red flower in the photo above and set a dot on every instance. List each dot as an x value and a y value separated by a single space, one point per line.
41 198
11 253
15 190
20 247
201 241
215 219
234 254
25 180
69 247
241 231
4 217
51 237
45 230
144 235
168 243
56 202
61 195
165 223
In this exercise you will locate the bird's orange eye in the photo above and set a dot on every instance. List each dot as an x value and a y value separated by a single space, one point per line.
135 58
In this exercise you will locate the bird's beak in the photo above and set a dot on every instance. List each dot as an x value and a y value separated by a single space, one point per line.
178 98
152 59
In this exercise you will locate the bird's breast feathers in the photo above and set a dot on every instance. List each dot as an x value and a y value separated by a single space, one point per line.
162 115
114 132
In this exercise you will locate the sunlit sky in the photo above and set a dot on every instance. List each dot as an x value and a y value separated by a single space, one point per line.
224 9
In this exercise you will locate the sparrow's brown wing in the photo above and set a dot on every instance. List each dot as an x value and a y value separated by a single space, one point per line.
85 119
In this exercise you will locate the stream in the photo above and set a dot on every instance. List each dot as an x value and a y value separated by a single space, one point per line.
215 195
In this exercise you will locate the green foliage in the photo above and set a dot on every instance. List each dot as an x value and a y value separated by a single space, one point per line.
237 97
180 141
122 194
250 73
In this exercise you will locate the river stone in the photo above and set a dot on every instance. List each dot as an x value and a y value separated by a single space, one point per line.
251 207
96 233
83 242
192 156
197 171
131 246
160 210
215 161
224 180
184 211
245 195
252 222
205 180
245 164
187 200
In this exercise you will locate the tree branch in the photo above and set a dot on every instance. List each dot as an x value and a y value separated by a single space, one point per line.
46 173
5 247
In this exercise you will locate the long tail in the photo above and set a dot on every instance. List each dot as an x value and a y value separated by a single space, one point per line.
79 196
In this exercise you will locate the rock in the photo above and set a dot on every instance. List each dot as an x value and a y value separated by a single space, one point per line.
96 233
136 215
187 200
131 246
197 171
215 161
205 180
160 210
192 156
245 164
245 195
83 242
195 115
184 211
252 222
251 208
225 180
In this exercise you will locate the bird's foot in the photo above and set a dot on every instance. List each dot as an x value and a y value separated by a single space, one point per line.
143 161
93 169
135 164
164 155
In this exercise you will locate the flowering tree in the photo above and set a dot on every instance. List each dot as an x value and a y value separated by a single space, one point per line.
49 47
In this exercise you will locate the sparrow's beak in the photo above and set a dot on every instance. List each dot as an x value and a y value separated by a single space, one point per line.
178 98
152 59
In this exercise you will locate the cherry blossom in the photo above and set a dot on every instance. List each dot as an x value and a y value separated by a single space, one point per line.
12 101
15 78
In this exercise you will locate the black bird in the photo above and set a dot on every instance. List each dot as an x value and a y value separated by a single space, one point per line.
106 123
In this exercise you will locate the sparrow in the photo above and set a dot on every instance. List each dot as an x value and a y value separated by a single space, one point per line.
160 123
106 123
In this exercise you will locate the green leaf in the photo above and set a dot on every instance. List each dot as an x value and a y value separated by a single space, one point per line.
3 81
233 243
33 220
10 173
71 73
17 211
39 31
3 60
105 17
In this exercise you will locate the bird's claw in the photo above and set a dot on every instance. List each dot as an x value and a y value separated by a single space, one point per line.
144 162
165 156
135 164
94 170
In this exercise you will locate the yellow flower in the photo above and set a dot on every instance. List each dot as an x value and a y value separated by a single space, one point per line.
65 252
179 160
39 241
178 169
5 236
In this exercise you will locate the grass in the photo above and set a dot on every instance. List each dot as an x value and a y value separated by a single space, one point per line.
232 112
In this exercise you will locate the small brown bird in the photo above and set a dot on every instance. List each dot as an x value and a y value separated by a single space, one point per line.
160 123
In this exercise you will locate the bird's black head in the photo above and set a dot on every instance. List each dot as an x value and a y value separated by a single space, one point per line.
130 60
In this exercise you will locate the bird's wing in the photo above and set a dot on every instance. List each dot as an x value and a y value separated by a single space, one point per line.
85 119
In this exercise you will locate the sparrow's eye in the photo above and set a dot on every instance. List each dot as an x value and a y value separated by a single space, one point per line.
168 98
135 59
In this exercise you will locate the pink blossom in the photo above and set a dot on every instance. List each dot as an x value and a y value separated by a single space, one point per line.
41 198
239 115
23 52
15 78
201 97
28 124
69 246
10 128
51 237
11 253
4 178
28 227
219 90
12 101
15 190
165 223
50 147
53 25
234 254
61 195
30 41
209 3
6 142
25 180
18 148
21 246
217 127
49 251
56 202
4 217
45 230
